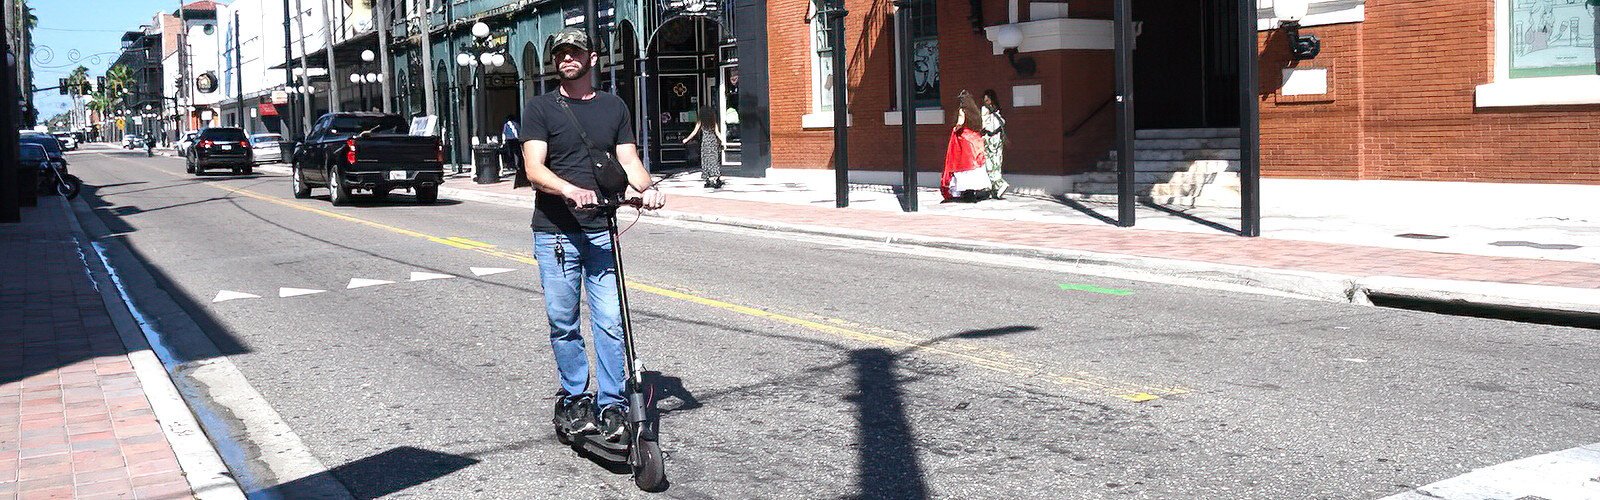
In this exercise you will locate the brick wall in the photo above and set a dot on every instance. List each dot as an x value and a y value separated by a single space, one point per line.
1401 102
1075 85
1405 83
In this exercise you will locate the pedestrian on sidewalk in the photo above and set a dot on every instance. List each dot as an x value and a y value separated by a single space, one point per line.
510 147
570 135
963 175
994 144
709 128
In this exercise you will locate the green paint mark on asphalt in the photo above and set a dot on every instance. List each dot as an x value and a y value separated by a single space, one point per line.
1095 289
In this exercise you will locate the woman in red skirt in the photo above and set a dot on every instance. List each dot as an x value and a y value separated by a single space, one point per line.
964 176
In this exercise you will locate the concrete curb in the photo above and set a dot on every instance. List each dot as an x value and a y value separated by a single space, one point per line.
202 465
264 454
1330 287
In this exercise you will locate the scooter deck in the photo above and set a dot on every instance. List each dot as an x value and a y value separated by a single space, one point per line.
598 446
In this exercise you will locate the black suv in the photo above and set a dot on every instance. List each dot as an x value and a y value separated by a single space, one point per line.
220 147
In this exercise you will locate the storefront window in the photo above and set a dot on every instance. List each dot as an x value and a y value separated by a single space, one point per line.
821 58
1552 38
924 54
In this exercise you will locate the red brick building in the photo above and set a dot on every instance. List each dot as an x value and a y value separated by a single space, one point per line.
1463 90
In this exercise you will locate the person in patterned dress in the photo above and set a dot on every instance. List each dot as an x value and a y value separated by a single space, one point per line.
712 135
994 143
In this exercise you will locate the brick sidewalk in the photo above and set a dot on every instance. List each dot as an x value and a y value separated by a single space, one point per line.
74 420
1353 260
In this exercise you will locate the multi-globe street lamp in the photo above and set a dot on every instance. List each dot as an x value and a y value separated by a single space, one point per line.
480 55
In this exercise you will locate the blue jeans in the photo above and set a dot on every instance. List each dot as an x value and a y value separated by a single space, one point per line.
569 262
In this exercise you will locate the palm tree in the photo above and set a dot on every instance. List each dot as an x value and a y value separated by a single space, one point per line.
118 79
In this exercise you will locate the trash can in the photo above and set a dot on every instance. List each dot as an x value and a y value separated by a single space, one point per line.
486 162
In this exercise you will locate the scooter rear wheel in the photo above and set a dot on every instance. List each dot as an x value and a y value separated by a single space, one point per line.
649 466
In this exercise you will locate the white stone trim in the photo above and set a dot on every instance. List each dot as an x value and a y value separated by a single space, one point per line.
1322 12
1552 91
1058 34
925 116
823 120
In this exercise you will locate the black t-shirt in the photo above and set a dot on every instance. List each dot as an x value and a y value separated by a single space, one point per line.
606 119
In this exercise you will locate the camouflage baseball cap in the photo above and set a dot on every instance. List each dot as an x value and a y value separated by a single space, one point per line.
575 37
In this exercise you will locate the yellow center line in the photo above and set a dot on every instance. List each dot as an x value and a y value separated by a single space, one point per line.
976 356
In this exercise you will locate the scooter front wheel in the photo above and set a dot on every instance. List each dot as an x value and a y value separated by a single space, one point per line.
649 466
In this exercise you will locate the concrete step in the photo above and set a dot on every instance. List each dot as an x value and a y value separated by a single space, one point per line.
1202 143
1202 166
1179 154
1169 201
1139 189
1186 133
1152 177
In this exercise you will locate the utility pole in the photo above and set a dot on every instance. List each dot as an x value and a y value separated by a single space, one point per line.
383 55
238 75
333 75
180 118
289 125
429 106
305 69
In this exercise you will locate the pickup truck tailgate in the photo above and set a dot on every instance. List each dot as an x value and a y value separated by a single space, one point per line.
397 149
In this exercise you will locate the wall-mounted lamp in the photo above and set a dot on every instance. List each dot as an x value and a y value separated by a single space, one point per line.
1290 12
1009 37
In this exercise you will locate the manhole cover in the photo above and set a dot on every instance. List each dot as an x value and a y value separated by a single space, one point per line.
1420 236
1541 246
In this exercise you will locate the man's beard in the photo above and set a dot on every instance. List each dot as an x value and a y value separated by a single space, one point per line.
582 72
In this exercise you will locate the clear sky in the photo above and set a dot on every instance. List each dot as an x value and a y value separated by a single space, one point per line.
82 32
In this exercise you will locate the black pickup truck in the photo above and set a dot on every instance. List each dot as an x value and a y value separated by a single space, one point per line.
367 151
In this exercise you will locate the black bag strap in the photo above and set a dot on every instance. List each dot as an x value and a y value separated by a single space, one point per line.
562 101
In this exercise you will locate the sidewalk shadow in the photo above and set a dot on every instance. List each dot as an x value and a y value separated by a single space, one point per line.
1192 218
376 476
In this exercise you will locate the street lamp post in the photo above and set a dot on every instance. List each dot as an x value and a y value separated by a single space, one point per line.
479 56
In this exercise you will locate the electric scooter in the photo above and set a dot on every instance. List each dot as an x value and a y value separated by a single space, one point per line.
639 446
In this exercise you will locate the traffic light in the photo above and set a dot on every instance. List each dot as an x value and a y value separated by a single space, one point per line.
102 83
62 87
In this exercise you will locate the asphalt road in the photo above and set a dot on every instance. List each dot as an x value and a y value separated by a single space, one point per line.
813 368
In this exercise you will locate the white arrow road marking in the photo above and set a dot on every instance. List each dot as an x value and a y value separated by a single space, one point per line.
1569 473
227 295
485 271
295 292
416 276
363 282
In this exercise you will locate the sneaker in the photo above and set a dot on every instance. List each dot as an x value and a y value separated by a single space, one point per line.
614 422
576 413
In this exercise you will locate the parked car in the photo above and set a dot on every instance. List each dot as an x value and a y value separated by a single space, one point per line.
52 146
132 141
220 147
188 140
68 141
368 151
265 147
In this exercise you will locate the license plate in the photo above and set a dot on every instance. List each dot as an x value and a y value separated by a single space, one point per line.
227 148
397 175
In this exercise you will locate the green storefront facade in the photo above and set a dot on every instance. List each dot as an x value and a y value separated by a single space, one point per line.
664 58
